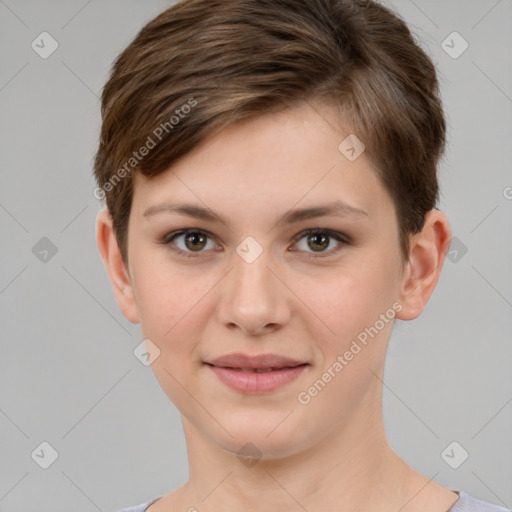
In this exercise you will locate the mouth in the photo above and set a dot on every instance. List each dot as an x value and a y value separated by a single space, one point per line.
258 370
255 375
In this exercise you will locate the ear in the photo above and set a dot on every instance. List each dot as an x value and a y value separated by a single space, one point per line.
426 257
116 268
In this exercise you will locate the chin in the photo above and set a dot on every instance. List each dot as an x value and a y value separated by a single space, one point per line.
252 450
265 439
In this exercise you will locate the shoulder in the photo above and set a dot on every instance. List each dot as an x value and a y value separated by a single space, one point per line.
141 507
468 503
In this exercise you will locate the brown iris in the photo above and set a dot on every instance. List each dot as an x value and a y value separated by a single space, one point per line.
318 239
197 241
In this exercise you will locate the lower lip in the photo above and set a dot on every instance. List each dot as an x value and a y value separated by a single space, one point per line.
254 383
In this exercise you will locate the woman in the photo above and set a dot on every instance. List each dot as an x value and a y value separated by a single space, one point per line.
269 169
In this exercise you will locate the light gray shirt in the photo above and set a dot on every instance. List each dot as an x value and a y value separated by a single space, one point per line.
465 503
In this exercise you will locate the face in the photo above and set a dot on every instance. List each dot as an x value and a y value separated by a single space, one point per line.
238 270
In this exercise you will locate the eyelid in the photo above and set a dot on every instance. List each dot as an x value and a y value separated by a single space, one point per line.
343 239
329 232
338 236
168 239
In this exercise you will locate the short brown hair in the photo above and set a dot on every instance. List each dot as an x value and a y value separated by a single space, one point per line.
204 64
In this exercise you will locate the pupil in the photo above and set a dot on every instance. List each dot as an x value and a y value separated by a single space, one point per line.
194 237
315 238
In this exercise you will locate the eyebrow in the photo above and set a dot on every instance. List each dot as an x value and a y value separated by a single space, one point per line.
337 208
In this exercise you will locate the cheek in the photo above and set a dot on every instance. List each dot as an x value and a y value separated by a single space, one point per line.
160 306
351 307
165 295
171 312
352 339
345 301
173 306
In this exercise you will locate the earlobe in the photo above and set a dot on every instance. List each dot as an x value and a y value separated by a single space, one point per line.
427 255
118 274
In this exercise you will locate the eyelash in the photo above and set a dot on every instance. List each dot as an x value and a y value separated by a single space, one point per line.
168 239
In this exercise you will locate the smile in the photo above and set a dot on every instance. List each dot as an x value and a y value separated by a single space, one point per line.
257 380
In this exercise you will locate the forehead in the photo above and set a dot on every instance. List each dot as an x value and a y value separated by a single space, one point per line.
273 162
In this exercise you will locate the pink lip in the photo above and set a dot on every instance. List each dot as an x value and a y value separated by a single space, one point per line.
261 361
230 370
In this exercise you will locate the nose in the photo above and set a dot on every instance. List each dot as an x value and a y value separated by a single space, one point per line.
253 299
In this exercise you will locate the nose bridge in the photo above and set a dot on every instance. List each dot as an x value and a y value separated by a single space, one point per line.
252 278
253 298
253 285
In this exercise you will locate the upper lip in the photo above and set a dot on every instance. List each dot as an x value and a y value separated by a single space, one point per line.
256 362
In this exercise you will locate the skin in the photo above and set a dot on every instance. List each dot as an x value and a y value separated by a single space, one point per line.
333 449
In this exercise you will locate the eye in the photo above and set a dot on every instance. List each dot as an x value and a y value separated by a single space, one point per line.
193 241
319 241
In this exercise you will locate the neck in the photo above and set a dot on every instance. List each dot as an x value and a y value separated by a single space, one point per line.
335 473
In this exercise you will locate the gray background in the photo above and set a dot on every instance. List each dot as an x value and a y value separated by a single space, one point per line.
68 373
